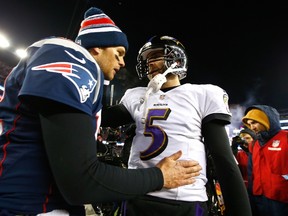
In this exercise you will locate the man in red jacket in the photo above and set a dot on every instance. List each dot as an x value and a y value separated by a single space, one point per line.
269 182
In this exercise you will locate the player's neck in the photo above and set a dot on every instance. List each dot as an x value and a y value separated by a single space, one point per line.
171 82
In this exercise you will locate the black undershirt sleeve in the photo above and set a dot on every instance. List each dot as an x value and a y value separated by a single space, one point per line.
231 181
115 116
69 139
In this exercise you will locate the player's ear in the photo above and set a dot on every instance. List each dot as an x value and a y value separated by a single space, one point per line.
95 50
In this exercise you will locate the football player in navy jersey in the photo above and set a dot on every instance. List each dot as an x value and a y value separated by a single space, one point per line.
49 115
171 116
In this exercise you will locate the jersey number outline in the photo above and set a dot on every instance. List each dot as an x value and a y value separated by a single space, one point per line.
159 136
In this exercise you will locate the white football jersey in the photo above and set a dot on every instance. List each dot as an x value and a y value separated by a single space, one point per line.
173 122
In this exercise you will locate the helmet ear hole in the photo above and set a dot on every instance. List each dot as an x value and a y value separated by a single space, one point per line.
173 49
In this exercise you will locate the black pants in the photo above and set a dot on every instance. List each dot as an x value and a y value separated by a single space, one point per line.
154 206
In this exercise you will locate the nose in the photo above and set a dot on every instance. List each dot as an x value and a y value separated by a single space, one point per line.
121 62
252 127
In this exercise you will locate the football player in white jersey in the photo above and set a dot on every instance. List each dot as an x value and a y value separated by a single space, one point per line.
171 116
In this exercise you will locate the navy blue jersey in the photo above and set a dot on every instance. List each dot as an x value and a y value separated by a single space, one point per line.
55 69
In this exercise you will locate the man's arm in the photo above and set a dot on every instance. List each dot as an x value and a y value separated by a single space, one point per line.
232 184
71 150
115 116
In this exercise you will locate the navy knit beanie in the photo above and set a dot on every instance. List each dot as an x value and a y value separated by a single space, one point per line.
98 30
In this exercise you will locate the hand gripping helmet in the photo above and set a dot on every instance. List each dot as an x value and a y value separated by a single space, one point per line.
174 51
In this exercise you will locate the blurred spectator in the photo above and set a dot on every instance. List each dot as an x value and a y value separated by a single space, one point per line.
268 185
244 140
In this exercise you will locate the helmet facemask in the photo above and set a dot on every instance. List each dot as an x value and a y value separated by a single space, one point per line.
173 52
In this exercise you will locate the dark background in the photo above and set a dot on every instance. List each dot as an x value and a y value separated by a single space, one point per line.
243 48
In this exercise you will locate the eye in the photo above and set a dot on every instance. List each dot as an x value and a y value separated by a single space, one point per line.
154 58
117 57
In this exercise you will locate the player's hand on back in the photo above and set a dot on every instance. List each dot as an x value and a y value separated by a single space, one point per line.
178 172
